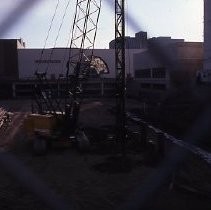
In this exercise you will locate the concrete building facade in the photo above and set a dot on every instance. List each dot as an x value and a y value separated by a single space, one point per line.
53 61
9 58
166 63
137 42
206 75
9 64
175 68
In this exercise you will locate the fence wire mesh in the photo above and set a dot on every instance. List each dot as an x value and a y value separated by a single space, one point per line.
150 184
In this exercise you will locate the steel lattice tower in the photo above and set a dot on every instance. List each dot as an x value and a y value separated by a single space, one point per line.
120 71
82 39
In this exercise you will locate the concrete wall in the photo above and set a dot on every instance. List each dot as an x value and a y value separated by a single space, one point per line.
185 60
145 60
206 76
137 42
189 59
189 50
8 59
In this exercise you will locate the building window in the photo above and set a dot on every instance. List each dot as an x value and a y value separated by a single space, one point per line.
159 86
159 72
143 73
145 85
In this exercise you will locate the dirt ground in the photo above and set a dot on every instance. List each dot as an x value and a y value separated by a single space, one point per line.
65 178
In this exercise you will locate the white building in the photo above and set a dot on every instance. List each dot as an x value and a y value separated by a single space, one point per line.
53 61
164 63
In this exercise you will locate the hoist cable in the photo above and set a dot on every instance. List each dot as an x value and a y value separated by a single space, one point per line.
58 33
48 33
65 52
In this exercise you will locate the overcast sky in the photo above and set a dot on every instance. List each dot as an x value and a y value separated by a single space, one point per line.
175 18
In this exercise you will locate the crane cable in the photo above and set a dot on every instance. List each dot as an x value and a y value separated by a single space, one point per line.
58 33
48 33
52 50
65 52
72 33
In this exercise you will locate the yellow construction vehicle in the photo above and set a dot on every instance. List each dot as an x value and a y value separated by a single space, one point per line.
40 130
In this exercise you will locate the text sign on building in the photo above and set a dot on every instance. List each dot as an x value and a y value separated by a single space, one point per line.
47 61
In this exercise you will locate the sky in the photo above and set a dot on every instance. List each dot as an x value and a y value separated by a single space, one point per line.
176 18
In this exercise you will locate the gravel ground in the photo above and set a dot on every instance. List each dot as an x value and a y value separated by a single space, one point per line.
66 178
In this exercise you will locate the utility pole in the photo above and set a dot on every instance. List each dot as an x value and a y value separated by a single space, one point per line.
120 72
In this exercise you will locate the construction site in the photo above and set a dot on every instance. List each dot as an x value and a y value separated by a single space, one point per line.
102 131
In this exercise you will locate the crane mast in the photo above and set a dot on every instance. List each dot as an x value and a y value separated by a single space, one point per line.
80 55
120 71
78 65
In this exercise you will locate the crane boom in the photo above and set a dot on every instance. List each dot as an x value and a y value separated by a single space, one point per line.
81 47
83 35
78 66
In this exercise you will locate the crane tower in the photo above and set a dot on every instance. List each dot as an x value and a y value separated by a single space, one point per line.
120 70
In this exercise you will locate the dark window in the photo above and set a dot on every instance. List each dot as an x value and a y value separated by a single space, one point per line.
143 73
159 72
159 86
146 85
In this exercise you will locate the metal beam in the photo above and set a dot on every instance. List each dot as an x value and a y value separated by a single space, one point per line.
120 71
